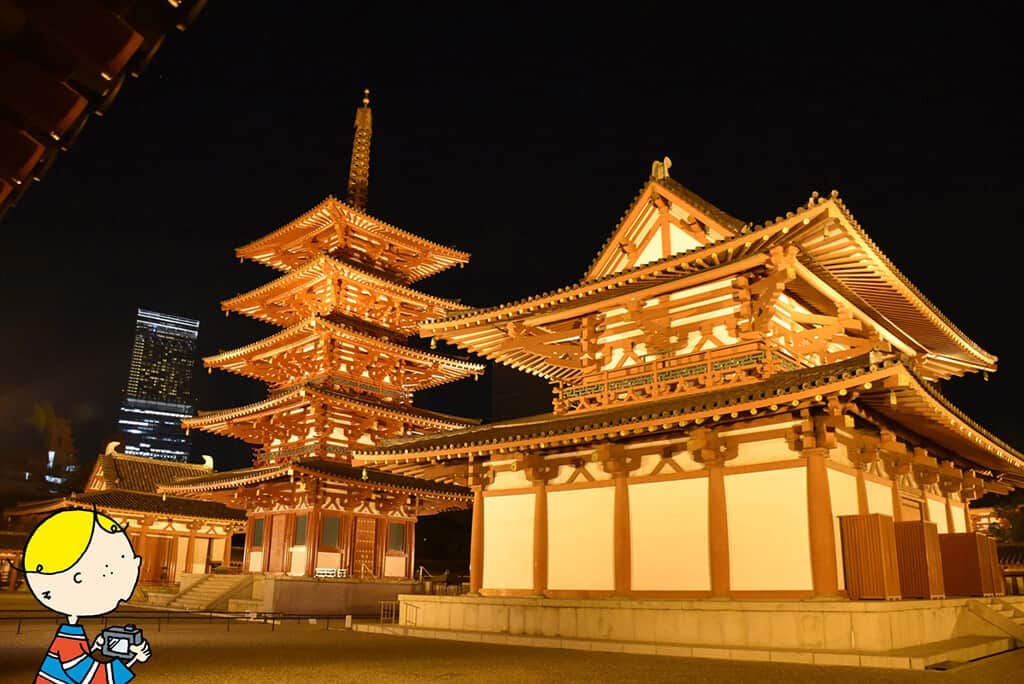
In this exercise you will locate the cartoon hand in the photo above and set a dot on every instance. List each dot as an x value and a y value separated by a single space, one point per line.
97 643
141 651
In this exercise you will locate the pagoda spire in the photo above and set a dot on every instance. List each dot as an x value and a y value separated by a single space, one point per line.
359 169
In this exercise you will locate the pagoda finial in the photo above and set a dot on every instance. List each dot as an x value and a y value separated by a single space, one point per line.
359 169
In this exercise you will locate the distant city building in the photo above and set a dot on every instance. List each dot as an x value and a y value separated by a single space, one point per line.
159 392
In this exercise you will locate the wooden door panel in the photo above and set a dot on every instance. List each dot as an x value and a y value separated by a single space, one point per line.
277 543
365 547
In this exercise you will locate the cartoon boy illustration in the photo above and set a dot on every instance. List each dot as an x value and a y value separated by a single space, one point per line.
81 564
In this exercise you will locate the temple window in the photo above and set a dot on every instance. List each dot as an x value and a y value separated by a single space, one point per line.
396 537
329 537
257 532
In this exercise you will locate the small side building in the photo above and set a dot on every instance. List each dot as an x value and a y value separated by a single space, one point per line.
173 534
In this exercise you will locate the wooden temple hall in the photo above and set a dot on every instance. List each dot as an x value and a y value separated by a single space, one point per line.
340 371
739 411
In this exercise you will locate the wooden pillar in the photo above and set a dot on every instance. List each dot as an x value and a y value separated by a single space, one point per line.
476 544
540 537
718 531
227 549
819 518
618 463
191 548
12 574
347 541
862 493
950 527
142 543
897 500
381 554
313 524
621 536
410 549
967 516
247 544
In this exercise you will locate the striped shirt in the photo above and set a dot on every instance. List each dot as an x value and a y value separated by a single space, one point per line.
69 662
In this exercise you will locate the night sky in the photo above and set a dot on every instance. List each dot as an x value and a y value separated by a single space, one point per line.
521 138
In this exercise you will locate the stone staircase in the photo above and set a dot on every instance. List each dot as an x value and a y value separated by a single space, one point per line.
211 593
1006 615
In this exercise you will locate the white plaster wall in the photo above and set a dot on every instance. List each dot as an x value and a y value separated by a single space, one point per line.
959 524
508 541
515 479
298 565
762 451
394 566
182 549
879 498
328 559
580 538
769 543
937 514
668 526
682 458
255 561
217 552
565 473
199 551
841 454
842 489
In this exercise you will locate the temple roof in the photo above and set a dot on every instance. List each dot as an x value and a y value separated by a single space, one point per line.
307 393
119 500
317 231
140 474
923 411
313 288
320 468
719 224
442 369
837 261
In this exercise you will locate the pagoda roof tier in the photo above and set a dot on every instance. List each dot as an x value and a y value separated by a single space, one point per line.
349 233
116 501
921 411
835 262
335 419
309 344
319 469
325 285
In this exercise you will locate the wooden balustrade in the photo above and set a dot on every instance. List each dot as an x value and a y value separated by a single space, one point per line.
737 364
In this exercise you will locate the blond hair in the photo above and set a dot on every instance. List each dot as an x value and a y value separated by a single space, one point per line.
60 540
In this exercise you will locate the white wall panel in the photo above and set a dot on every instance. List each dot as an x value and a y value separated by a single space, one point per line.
580 538
937 514
769 542
842 489
879 498
508 541
959 524
255 561
668 524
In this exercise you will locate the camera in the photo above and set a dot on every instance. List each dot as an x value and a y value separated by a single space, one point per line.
118 640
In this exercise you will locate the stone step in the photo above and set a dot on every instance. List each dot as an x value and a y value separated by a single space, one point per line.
961 649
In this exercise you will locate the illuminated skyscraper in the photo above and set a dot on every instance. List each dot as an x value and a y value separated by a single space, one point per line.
159 392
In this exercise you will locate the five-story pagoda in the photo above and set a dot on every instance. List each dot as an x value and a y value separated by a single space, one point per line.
340 374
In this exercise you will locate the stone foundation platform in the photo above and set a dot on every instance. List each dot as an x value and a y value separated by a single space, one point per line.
904 634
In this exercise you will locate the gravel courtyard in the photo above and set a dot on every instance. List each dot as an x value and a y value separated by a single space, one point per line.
251 653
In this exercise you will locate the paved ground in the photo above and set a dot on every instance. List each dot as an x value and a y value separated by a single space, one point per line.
251 653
